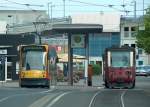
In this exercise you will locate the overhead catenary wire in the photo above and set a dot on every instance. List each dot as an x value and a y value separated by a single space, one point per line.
106 5
87 3
23 3
29 6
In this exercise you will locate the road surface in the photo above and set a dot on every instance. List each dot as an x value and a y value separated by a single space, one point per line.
77 96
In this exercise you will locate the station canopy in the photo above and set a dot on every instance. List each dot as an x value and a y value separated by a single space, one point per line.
77 28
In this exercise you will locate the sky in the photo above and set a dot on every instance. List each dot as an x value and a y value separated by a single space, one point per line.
122 7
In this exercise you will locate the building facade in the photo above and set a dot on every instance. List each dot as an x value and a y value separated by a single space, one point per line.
129 27
20 21
9 55
3 27
98 42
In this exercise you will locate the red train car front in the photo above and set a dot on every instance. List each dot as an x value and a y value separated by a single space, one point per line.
119 67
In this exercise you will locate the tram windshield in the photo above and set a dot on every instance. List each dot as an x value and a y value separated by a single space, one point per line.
34 60
120 59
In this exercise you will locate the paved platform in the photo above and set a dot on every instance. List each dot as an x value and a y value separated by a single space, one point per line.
96 82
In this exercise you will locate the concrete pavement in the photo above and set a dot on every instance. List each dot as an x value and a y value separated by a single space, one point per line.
9 84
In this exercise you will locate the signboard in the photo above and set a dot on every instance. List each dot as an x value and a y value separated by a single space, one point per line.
78 41
52 55
3 51
59 48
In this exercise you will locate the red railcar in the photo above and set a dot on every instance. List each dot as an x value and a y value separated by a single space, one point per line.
119 67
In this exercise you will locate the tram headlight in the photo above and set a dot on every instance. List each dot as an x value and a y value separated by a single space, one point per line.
44 74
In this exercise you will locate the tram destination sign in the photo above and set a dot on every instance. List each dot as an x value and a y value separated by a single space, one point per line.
33 48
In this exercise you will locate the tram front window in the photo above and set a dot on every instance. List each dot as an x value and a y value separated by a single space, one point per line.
120 59
34 60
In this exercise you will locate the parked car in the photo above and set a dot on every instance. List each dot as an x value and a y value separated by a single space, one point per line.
147 67
142 71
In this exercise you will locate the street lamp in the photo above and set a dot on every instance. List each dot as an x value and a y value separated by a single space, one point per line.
39 27
51 6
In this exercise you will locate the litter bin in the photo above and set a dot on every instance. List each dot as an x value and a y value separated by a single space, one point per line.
90 73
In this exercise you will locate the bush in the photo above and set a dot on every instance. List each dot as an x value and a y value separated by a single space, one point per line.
96 69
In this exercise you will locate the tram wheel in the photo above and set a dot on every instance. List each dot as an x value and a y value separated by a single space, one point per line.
106 84
133 84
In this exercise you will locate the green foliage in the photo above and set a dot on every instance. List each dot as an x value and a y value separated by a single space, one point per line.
143 37
96 69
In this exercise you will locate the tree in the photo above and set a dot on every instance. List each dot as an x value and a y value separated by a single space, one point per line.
143 36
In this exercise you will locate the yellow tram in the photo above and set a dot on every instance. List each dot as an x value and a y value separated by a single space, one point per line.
34 66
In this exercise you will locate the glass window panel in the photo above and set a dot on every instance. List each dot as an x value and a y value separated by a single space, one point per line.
34 60
140 51
126 28
120 59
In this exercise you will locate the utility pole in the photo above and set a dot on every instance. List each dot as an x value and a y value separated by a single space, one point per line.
134 9
48 9
143 16
51 11
64 8
51 6
123 5
143 8
48 5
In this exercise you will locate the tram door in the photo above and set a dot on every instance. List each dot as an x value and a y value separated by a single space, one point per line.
2 68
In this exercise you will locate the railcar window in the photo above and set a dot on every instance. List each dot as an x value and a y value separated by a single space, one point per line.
33 60
120 59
